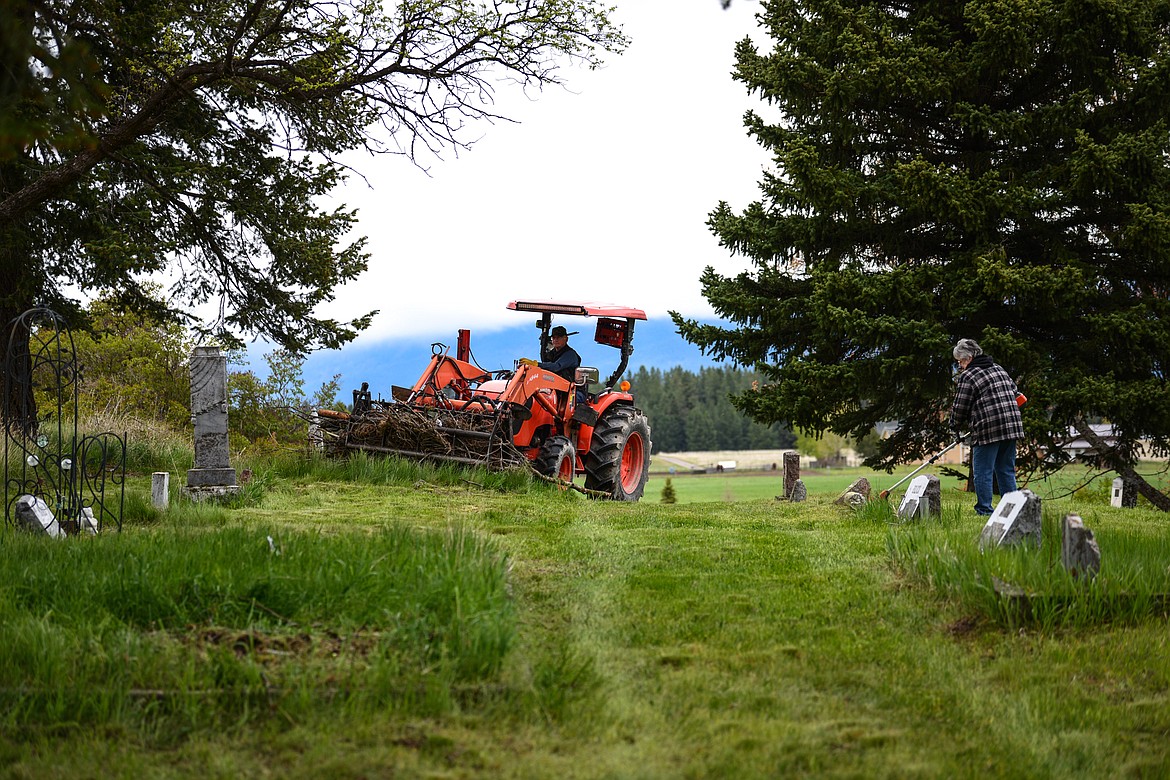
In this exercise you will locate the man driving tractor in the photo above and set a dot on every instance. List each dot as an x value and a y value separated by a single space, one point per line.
557 356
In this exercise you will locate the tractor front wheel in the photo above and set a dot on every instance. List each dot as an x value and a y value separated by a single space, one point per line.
557 459
618 462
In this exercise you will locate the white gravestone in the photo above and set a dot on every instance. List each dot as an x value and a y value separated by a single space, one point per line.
1016 519
34 515
923 498
914 505
89 523
1124 494
160 489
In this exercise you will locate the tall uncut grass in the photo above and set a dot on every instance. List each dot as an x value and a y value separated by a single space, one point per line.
1024 585
211 626
150 445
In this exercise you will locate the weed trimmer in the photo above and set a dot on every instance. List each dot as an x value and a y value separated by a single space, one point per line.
885 493
1021 399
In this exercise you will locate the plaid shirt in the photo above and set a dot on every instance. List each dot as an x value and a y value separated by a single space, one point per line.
985 402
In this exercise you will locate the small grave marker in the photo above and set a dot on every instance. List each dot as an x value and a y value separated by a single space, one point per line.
859 486
33 514
791 473
854 500
923 499
1016 519
160 495
1079 552
1115 496
1124 494
89 523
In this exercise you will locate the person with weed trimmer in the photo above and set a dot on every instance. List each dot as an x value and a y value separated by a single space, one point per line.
988 403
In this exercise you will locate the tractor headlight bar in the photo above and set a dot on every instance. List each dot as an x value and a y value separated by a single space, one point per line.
553 308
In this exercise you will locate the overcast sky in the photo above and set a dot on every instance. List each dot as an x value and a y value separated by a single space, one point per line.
599 192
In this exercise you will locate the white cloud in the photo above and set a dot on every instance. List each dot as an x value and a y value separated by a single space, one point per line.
601 193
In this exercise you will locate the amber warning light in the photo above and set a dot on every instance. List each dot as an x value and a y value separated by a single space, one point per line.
625 386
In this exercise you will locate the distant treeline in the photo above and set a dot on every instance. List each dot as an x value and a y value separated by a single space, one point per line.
690 411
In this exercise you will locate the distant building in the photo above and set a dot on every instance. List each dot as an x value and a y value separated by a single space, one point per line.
1079 447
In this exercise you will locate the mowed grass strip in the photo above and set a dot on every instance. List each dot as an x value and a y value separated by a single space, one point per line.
769 639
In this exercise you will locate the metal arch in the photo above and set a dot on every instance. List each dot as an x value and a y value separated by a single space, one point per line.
43 455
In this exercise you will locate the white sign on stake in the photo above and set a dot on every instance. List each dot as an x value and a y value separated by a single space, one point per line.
1115 496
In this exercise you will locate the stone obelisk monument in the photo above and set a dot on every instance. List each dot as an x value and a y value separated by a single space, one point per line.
213 474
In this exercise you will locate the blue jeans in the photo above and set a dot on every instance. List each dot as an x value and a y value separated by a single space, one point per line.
997 459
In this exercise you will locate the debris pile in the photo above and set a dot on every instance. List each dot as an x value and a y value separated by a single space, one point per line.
470 437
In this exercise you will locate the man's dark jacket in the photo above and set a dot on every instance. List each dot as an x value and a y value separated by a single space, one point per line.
563 362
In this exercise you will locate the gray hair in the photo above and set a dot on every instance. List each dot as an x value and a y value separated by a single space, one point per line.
968 349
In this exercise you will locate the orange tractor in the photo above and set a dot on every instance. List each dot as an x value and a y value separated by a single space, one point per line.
459 411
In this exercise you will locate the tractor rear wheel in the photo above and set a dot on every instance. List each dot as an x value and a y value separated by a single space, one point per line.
618 461
557 459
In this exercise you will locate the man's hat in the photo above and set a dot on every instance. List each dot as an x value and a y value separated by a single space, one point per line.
559 330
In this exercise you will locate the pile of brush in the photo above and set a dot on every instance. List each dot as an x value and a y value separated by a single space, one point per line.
423 432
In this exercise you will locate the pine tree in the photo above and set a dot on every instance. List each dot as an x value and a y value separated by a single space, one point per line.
668 495
998 170
672 398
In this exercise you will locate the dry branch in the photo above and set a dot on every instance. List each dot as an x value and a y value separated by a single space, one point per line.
427 432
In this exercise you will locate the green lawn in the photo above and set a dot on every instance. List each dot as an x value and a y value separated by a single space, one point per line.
751 486
755 485
738 639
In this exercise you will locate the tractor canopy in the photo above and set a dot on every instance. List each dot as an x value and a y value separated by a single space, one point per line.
615 324
578 308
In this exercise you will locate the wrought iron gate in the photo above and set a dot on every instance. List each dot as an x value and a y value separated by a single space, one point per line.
82 481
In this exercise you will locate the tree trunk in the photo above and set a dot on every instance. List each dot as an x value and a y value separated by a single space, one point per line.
18 408
1123 467
21 274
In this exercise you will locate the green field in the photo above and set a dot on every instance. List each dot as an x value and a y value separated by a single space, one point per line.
755 485
385 620
751 486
